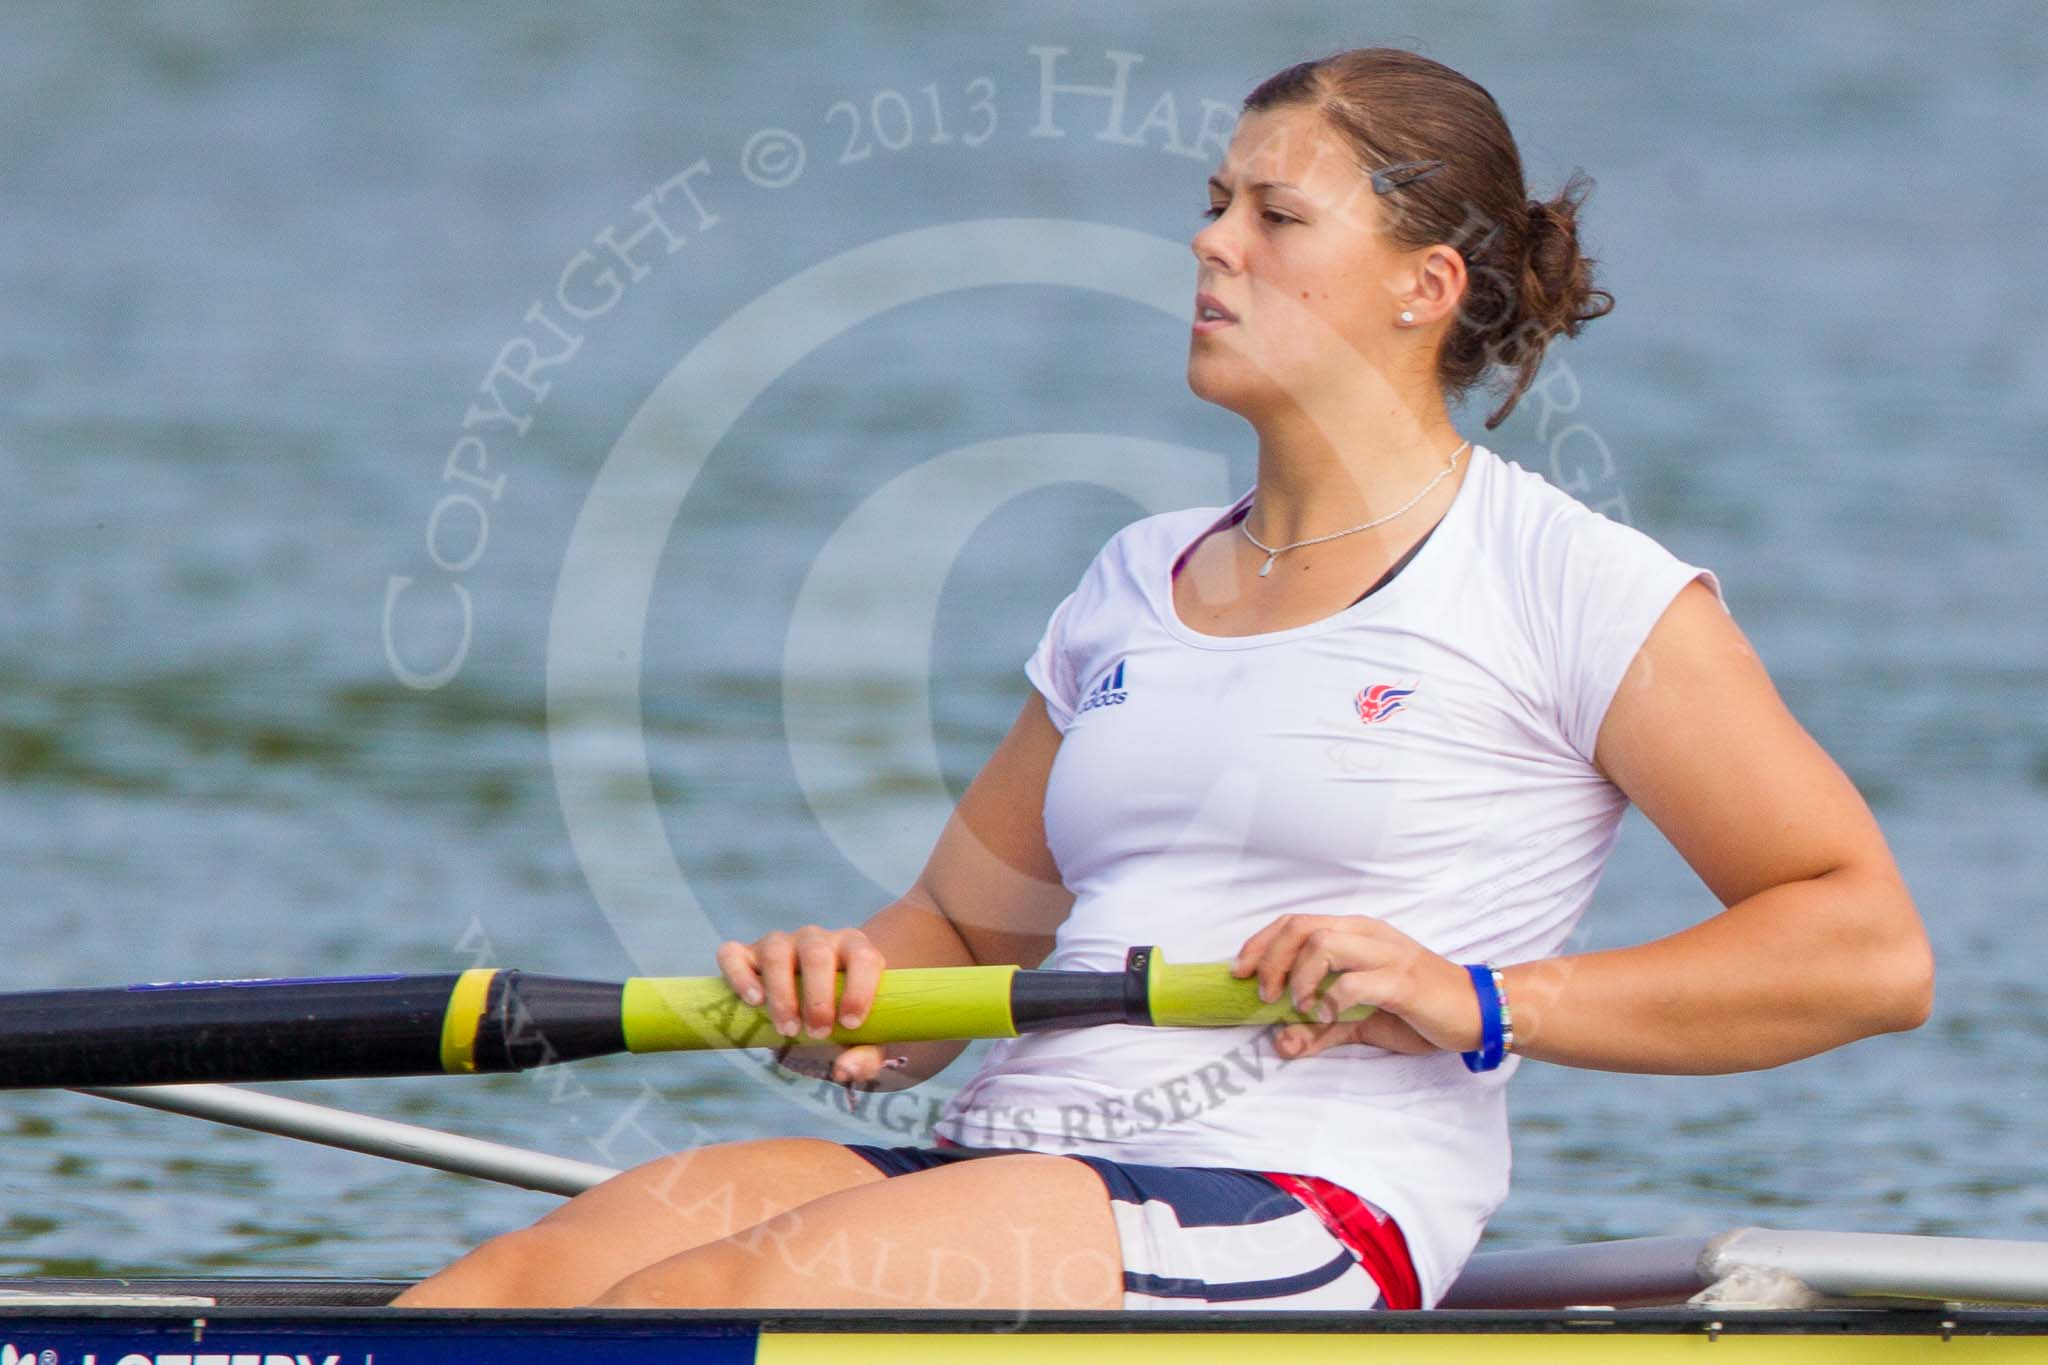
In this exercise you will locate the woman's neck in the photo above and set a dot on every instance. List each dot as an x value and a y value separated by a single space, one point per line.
1318 478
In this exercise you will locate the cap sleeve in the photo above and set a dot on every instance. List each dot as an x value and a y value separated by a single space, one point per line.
1610 584
1051 670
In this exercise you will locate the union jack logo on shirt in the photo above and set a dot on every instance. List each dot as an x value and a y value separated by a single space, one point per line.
1379 701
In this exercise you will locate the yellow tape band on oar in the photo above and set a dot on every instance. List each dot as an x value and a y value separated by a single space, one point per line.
915 1004
1206 995
465 1015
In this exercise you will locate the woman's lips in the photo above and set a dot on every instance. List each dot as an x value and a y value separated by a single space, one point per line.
1209 303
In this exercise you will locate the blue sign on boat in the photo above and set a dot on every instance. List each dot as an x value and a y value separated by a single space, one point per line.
441 1340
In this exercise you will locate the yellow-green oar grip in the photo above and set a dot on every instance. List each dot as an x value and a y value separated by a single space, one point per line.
1206 995
912 1004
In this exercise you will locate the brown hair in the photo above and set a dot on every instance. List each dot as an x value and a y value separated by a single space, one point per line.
1528 280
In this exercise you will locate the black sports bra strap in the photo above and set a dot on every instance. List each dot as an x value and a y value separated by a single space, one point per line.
1396 566
1379 583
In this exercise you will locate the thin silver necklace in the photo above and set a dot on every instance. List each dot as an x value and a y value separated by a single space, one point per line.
1273 552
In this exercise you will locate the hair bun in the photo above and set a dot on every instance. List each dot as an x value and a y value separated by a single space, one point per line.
1558 295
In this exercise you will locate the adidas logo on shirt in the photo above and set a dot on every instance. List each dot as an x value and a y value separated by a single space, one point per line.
1108 692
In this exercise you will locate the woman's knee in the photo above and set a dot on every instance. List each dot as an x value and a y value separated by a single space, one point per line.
524 1268
654 1211
716 1278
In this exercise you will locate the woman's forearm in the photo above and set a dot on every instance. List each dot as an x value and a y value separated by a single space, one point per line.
1789 972
913 932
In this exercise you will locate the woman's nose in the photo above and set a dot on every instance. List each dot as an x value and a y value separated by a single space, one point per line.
1213 245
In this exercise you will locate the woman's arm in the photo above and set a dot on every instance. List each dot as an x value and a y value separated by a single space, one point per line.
991 877
990 893
1819 943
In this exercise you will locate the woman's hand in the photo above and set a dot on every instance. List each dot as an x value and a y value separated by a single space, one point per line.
1422 1002
794 977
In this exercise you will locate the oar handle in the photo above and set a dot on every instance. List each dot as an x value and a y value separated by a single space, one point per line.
923 1004
492 1020
1206 995
912 1004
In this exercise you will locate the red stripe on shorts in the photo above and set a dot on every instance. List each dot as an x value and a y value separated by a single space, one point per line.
1372 1236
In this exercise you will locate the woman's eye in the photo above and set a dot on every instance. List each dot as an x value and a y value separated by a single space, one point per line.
1215 211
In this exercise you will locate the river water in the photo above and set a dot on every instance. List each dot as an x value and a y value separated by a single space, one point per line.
258 263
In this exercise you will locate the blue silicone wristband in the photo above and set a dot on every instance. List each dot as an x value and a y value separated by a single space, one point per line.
1491 1047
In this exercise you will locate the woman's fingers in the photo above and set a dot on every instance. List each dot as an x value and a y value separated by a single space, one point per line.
865 1067
796 978
736 961
1314 960
1305 1040
1371 986
1393 1033
1383 1030
1327 964
868 1067
857 1065
1429 997
1253 955
817 955
1337 946
1294 953
1271 952
863 972
776 955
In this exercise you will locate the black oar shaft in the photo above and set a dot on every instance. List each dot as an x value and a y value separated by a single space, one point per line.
296 1030
143 1035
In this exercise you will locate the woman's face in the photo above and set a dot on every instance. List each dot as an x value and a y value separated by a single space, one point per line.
1294 250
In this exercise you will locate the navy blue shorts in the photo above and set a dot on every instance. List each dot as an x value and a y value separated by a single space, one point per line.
1214 1236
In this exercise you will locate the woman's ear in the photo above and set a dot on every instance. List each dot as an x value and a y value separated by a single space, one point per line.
1437 285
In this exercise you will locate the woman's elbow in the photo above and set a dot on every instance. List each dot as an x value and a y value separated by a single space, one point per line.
1903 977
1913 988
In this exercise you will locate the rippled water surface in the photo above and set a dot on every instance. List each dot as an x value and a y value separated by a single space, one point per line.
257 260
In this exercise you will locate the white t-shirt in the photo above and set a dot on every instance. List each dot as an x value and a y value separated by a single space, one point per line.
1423 756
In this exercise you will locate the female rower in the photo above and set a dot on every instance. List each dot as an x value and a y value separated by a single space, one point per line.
1368 733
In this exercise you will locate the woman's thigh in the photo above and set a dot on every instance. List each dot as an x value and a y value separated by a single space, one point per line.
640 1217
1004 1232
687 1198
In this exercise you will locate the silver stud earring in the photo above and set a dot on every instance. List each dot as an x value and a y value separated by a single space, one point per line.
1406 317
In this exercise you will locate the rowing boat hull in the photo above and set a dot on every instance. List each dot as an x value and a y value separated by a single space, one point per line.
106 1334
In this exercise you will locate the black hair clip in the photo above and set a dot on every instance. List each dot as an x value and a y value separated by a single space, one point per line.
1402 174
